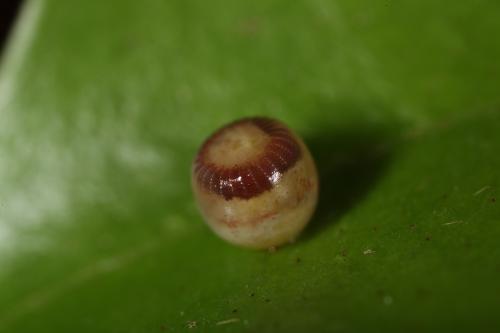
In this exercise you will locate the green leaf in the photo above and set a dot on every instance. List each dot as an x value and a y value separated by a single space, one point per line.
104 103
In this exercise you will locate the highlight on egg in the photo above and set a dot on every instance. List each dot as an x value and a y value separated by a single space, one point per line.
255 183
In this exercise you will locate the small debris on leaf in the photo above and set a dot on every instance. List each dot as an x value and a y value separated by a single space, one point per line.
453 222
481 190
227 321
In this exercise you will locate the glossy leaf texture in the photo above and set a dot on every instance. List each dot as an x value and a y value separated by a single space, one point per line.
103 105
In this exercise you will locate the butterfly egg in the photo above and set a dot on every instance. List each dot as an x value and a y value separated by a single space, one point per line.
255 183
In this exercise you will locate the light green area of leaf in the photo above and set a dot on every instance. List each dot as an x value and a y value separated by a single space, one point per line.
104 103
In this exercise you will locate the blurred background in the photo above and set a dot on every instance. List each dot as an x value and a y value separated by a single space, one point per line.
8 11
103 105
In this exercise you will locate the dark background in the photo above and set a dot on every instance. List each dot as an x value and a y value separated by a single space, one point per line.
8 13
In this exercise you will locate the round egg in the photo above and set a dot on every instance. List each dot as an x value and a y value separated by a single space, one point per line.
255 183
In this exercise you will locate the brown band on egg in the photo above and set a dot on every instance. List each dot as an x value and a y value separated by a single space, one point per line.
253 176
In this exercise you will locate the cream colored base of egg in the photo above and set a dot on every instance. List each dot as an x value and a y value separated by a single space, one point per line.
271 219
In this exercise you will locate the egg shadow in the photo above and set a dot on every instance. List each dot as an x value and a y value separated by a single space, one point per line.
350 162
